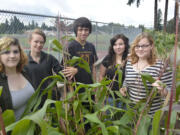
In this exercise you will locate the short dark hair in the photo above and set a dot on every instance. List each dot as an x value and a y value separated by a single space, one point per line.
111 52
38 32
82 22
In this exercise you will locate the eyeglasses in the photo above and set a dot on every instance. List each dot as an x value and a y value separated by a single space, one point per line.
141 46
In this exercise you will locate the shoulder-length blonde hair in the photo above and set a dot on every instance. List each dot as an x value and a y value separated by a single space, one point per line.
134 58
5 43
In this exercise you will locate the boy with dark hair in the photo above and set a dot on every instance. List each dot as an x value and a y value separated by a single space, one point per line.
86 50
82 22
81 48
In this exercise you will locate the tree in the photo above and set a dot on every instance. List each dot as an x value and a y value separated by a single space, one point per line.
155 14
170 26
175 12
165 15
4 27
44 26
141 27
32 24
132 1
6 24
155 9
159 19
36 25
15 25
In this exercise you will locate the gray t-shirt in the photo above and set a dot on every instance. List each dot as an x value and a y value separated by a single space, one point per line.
20 98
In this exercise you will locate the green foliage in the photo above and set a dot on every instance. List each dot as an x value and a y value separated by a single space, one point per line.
156 123
1 88
171 26
173 119
59 47
102 120
22 127
94 118
14 26
37 117
177 91
8 117
80 62
132 1
159 20
70 115
144 125
146 77
164 43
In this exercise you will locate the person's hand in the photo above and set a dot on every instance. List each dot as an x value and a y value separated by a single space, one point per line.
70 72
123 91
160 86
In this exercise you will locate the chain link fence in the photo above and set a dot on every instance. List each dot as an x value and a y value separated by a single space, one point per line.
20 24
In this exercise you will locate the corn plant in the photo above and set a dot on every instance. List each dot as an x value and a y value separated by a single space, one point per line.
70 116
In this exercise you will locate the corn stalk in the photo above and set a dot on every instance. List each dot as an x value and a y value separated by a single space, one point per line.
173 92
2 123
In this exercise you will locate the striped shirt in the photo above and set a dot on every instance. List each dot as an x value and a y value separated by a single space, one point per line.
136 89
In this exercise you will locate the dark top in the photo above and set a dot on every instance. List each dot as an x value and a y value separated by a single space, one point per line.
88 53
110 72
5 98
38 71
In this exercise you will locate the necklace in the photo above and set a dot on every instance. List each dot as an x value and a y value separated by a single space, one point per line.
83 44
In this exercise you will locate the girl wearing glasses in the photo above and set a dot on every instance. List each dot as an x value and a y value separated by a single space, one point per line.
143 59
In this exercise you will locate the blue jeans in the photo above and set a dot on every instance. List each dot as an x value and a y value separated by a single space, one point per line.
117 104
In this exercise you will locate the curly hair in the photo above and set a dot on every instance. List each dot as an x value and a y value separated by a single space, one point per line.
111 52
134 58
82 22
5 43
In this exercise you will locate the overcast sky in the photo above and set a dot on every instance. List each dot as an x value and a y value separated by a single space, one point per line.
116 11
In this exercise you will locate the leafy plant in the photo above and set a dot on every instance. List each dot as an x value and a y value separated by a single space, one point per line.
71 116
164 42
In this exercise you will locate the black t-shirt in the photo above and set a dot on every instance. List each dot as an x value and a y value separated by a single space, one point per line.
38 71
110 72
88 53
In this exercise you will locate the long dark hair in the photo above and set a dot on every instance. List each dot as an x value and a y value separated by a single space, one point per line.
111 53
